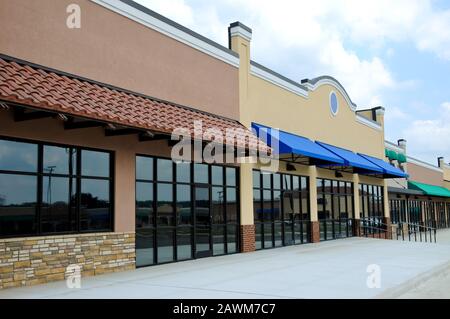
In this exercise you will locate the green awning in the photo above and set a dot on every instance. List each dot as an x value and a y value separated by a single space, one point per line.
428 189
392 155
401 158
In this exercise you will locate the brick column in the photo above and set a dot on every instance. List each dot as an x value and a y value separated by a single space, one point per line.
387 221
247 238
356 227
315 232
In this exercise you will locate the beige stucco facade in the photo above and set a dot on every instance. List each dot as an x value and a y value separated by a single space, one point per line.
114 49
422 174
273 106
445 172
140 51
308 115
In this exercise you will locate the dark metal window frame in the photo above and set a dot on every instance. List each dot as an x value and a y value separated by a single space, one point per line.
372 219
372 200
414 211
192 226
419 211
348 220
397 209
429 213
448 214
39 174
281 221
440 215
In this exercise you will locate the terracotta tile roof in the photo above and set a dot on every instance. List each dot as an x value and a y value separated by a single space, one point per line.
45 89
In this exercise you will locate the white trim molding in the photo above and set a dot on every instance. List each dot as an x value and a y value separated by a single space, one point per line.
168 30
332 83
369 123
269 77
418 162
239 31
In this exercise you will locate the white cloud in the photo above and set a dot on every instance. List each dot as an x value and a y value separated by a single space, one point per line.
390 52
381 20
430 136
350 69
434 35
394 113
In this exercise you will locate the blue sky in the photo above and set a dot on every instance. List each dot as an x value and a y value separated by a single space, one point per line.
394 53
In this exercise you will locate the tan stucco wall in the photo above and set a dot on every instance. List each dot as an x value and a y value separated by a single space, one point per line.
113 49
424 175
271 105
124 147
446 170
266 103
366 113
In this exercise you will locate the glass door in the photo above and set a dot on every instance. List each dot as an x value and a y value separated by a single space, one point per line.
202 209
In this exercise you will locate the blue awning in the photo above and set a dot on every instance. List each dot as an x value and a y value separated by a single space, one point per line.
325 154
388 170
361 164
294 144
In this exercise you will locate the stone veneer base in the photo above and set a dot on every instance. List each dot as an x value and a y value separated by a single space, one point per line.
36 260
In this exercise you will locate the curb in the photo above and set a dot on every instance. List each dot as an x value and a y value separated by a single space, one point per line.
414 282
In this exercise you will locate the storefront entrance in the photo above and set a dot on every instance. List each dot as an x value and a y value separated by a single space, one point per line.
184 210
335 209
203 219
281 209
295 226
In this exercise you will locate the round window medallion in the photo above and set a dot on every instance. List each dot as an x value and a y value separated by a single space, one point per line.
334 105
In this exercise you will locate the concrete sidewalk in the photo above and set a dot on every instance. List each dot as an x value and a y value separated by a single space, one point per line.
334 269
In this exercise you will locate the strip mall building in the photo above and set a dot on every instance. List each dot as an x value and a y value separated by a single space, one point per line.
86 176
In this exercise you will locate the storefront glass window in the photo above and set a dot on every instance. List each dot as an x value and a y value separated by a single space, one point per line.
335 208
53 189
195 217
281 209
371 208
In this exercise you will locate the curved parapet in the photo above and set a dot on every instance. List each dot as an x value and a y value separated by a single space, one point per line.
313 84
